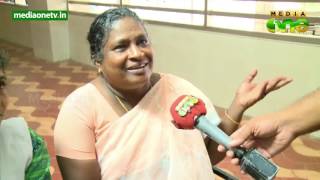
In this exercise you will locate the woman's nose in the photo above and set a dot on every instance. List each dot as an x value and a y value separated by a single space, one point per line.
135 52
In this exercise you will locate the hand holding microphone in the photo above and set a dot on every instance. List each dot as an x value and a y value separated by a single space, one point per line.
189 112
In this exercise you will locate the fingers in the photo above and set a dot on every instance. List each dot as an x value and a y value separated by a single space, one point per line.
230 154
251 76
221 148
282 83
277 83
261 89
248 144
241 135
273 83
235 161
264 152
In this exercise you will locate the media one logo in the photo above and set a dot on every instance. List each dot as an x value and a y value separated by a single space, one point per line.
283 21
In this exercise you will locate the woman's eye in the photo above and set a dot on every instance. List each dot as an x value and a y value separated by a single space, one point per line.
143 42
120 48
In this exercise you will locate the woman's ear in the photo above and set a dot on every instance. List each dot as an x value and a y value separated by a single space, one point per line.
98 65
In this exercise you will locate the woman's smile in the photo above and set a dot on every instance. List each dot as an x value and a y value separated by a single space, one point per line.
139 69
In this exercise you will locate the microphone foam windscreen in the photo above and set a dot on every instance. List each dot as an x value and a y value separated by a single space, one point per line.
186 109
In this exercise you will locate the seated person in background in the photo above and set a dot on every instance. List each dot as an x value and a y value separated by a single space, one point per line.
119 125
23 153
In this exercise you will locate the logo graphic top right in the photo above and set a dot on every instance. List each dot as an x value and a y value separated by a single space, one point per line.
288 22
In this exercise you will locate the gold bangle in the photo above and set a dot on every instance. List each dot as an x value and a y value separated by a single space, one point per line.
230 118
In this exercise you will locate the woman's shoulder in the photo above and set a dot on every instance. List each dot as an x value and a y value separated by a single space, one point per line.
14 126
181 86
175 80
83 90
86 91
79 103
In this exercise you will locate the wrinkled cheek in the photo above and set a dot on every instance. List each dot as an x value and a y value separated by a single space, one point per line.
112 72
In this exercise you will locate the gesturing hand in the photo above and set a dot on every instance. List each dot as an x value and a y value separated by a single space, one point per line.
249 92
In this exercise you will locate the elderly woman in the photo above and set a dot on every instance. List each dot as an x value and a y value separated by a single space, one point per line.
23 153
119 125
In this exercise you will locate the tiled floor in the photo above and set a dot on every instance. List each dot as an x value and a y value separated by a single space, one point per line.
37 89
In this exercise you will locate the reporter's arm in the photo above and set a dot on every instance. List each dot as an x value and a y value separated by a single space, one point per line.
303 116
273 132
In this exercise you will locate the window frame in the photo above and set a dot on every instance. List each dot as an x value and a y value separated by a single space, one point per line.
13 3
315 39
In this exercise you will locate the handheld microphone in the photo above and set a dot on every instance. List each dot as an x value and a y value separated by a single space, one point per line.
189 112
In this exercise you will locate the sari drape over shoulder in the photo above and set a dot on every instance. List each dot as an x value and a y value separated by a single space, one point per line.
141 144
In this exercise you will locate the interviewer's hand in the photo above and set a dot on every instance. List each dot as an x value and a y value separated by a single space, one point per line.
266 133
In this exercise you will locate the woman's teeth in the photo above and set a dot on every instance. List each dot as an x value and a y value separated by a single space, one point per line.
138 70
138 67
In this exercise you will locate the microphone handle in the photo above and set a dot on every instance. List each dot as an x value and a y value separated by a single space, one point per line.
251 161
215 133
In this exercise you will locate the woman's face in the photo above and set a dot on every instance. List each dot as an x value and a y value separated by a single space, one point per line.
128 56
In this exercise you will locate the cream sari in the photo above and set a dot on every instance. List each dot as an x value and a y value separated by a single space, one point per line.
144 144
141 144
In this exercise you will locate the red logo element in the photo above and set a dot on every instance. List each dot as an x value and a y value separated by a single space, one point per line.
185 110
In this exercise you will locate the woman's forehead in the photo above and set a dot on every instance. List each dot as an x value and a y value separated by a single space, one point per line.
126 27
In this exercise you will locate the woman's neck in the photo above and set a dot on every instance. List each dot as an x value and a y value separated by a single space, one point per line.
133 96
129 96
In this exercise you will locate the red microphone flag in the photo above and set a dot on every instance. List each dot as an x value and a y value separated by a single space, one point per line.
185 110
